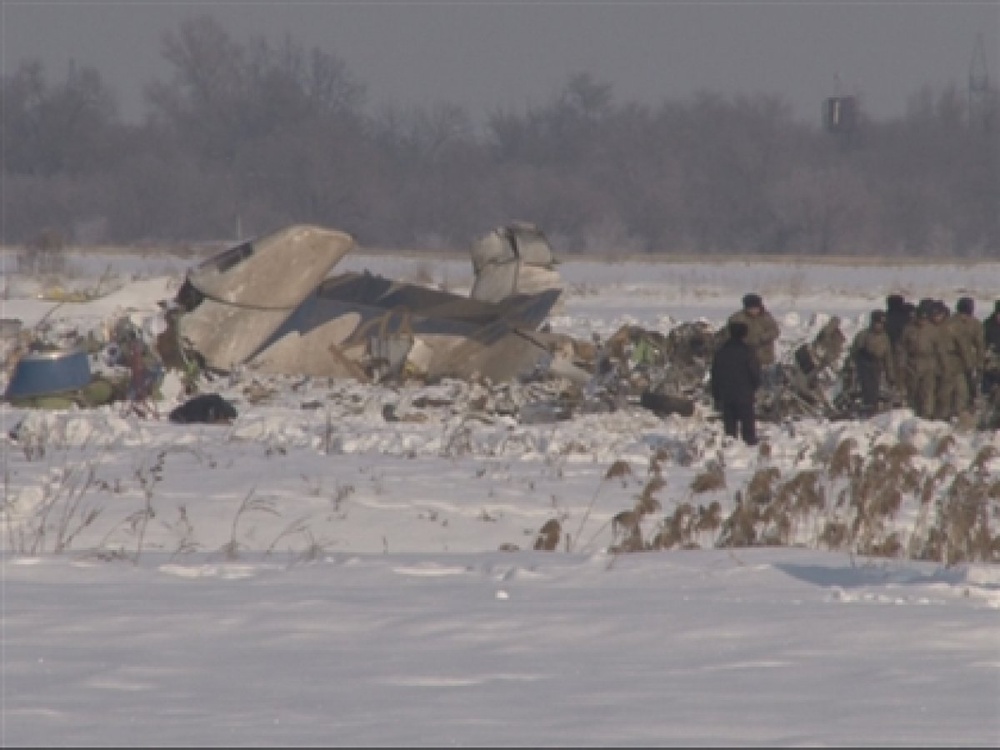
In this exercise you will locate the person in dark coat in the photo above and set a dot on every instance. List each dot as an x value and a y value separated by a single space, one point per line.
735 378
991 338
896 317
991 329
898 312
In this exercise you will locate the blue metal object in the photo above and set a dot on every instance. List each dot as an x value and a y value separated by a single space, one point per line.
45 373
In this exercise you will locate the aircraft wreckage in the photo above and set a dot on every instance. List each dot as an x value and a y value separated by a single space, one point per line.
270 305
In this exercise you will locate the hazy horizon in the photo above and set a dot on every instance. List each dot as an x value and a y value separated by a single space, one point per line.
485 55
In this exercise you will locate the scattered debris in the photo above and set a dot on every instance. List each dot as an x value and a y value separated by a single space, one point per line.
267 309
209 408
56 379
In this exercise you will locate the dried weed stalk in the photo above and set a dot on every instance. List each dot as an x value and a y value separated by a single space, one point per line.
710 480
231 549
620 469
549 535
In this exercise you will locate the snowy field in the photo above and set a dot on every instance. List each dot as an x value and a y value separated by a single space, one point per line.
313 574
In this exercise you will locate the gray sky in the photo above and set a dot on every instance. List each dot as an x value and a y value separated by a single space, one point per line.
486 54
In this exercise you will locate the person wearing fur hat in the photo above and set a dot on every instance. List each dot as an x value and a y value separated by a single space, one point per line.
762 332
991 329
871 353
970 330
991 339
896 316
956 359
898 313
920 362
735 378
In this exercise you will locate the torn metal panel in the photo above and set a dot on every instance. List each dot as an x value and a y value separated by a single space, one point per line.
298 257
239 298
354 316
501 353
512 259
498 352
225 335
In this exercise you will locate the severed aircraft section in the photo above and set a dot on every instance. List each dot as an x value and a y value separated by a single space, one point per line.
272 306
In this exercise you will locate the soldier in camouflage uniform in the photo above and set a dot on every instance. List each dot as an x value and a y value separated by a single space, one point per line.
920 360
956 360
970 331
762 333
871 352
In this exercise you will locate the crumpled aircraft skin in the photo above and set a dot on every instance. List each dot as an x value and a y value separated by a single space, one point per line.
244 294
269 305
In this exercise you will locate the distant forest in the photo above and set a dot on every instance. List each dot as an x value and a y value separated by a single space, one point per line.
244 139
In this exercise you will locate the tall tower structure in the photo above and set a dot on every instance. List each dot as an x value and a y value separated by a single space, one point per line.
840 113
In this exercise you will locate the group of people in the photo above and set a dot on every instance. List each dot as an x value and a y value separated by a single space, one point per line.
933 358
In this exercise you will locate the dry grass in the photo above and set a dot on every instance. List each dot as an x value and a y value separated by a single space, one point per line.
842 460
626 532
675 529
888 504
619 469
760 488
963 517
710 480
985 455
835 534
549 535
59 517
944 446
954 519
626 526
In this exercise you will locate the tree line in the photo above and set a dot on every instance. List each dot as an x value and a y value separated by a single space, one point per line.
247 138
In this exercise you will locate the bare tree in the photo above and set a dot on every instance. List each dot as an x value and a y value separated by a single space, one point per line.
242 138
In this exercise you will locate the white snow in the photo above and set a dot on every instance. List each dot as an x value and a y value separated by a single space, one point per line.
315 575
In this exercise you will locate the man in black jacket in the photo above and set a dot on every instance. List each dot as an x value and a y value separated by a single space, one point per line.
991 328
735 380
991 338
896 317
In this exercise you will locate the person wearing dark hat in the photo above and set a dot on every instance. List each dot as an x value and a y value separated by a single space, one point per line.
991 329
969 329
956 359
898 312
871 353
920 362
735 378
896 316
926 304
991 338
762 332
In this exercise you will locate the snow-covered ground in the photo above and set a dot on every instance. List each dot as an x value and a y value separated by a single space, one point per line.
313 574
